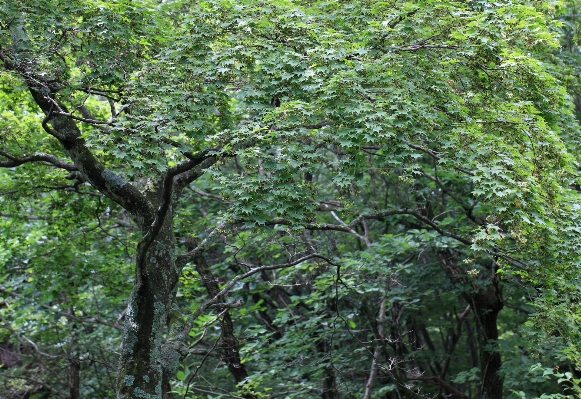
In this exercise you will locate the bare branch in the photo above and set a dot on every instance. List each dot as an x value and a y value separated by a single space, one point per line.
431 153
420 46
227 305
207 194
33 380
455 337
24 341
36 157
376 215
211 156
443 383
352 231
77 118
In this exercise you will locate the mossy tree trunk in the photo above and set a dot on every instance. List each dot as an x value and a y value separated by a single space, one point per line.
146 364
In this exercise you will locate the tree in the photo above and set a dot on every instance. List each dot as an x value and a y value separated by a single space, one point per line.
239 139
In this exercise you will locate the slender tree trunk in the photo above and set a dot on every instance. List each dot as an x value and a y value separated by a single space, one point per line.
329 383
487 304
378 343
472 344
230 345
74 363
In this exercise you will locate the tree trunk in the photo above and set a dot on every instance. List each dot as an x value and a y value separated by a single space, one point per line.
230 345
329 383
74 363
378 343
146 365
487 304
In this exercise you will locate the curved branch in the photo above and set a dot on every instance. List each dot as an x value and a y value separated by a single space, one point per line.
183 179
36 157
209 157
182 259
439 230
86 120
35 381
64 128
443 383
103 179
167 190
347 228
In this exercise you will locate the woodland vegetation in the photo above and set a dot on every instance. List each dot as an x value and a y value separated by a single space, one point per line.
290 199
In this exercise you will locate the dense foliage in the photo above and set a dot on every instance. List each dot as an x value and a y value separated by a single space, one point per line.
289 199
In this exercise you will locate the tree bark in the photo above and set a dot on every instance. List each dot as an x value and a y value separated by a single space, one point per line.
378 343
74 363
230 345
146 364
487 304
329 383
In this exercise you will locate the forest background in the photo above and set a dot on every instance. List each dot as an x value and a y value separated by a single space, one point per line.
288 199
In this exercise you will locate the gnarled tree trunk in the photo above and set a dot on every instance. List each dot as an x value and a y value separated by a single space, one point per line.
146 365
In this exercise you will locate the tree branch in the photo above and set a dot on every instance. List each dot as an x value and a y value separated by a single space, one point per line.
64 128
455 338
35 381
166 196
210 157
182 259
376 215
378 344
36 157
86 120
365 239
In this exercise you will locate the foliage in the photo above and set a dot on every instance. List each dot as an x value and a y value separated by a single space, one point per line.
385 193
